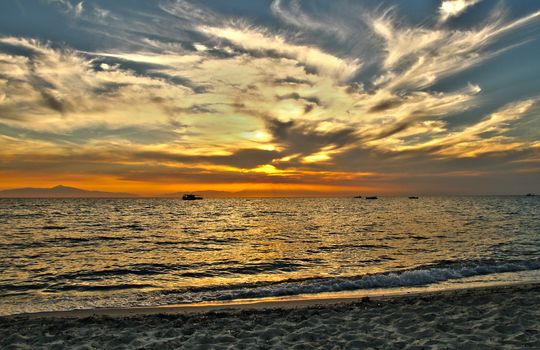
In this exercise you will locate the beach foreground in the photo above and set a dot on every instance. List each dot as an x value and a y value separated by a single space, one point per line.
495 317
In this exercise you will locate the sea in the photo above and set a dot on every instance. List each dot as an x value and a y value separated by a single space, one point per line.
64 254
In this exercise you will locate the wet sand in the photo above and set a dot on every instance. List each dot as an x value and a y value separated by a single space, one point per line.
494 317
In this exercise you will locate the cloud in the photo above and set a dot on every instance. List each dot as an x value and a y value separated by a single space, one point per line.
193 94
292 81
473 140
59 89
134 135
70 7
484 137
384 105
297 97
302 139
187 11
418 57
291 13
259 40
243 158
454 8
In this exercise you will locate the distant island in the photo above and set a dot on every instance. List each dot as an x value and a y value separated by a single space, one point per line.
60 192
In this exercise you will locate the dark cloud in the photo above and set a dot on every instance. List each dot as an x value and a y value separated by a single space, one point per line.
98 61
179 80
18 50
55 103
309 69
303 138
308 108
221 53
296 96
393 129
355 88
292 81
197 109
173 111
109 89
386 104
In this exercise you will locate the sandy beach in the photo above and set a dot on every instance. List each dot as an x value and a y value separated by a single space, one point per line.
487 318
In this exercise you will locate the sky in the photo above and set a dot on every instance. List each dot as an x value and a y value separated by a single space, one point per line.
283 97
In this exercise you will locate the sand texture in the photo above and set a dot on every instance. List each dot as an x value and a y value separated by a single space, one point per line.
501 318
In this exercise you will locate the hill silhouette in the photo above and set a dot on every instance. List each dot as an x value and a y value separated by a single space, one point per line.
60 191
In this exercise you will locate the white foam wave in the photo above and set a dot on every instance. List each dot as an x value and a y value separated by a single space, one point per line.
408 278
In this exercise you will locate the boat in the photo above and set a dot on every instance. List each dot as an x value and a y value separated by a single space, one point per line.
357 197
530 195
372 197
413 197
191 197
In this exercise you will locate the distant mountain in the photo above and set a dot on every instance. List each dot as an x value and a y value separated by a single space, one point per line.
60 192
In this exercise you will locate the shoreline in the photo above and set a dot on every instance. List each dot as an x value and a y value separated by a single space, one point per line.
285 302
501 317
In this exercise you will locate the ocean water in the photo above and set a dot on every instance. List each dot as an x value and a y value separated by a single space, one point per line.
61 254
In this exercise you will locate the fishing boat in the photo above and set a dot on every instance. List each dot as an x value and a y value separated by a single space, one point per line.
413 197
372 197
191 197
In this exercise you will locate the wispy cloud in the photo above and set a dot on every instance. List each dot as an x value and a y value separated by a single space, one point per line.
71 7
259 40
187 11
418 57
291 13
486 136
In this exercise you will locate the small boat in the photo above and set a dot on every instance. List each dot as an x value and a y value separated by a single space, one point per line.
357 197
413 197
372 197
529 195
191 197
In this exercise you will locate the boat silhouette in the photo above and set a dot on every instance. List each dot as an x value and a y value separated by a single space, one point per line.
372 197
191 197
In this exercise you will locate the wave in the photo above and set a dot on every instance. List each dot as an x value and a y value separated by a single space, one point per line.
90 295
417 277
91 288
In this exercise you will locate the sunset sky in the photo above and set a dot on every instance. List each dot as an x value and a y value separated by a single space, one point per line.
368 97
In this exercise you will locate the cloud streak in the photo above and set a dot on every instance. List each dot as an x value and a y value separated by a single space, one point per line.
259 41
